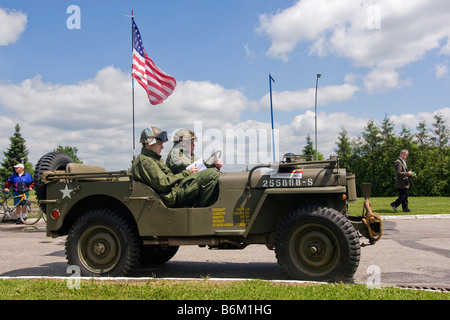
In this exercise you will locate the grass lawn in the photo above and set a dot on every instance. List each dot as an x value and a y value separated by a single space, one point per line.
202 290
418 205
56 289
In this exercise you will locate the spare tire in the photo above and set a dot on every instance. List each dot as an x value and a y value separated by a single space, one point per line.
51 161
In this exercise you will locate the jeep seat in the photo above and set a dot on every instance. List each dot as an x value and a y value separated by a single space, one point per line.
80 168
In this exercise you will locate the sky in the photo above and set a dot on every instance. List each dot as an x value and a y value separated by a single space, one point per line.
65 73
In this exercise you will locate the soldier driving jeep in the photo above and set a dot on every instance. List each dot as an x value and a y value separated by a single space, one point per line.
182 154
115 220
183 189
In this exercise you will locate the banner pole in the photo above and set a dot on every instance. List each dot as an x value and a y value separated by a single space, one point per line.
271 116
132 85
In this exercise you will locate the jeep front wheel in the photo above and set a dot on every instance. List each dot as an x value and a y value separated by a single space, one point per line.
102 243
318 244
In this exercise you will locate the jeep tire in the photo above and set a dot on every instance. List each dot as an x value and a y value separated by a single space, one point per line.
103 243
318 244
51 161
152 255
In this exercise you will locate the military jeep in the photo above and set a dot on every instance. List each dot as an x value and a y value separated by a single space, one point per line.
297 208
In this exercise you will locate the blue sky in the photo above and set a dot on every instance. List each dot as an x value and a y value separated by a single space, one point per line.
73 86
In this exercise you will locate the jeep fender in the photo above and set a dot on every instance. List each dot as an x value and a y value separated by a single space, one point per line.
270 201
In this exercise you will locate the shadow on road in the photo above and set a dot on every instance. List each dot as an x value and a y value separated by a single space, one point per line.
187 269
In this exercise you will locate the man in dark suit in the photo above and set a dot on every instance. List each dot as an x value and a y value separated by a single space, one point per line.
402 182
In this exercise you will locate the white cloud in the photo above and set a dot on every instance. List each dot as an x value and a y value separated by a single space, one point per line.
441 70
380 81
57 106
96 115
93 115
204 100
303 99
249 54
446 49
293 135
12 25
411 121
328 128
304 21
404 33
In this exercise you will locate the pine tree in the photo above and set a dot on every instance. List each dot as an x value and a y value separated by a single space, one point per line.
17 153
344 150
375 149
308 150
440 141
70 151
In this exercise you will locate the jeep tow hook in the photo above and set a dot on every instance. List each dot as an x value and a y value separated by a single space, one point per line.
369 224
371 219
373 223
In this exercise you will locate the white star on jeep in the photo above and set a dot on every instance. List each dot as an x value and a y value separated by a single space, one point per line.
66 192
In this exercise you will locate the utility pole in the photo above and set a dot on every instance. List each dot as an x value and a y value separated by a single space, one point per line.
315 108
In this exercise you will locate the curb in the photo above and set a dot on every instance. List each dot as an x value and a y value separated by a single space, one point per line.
416 217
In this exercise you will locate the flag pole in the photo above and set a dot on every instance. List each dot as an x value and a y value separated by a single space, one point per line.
271 116
132 84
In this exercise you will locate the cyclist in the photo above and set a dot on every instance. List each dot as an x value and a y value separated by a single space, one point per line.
20 182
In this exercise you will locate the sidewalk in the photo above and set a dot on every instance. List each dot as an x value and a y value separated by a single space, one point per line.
401 216
12 226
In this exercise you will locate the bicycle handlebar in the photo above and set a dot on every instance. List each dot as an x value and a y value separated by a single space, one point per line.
20 193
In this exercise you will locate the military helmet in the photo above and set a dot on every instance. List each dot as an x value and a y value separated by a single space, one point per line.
151 134
184 135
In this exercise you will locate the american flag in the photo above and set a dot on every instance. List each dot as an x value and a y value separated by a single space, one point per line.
157 83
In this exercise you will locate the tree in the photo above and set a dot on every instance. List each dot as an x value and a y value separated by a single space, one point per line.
441 132
422 184
376 148
308 150
368 150
387 151
441 156
70 151
16 153
422 136
344 151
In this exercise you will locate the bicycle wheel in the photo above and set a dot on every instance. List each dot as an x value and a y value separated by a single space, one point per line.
3 213
34 213
44 214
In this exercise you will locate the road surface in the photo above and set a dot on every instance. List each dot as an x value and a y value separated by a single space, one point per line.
412 251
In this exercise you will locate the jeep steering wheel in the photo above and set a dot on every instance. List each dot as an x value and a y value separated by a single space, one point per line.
214 154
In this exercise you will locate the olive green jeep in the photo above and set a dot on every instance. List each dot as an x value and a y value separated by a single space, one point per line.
297 208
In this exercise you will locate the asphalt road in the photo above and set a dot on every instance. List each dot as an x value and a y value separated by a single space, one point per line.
413 251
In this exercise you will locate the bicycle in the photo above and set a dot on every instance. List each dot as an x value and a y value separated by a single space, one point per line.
33 215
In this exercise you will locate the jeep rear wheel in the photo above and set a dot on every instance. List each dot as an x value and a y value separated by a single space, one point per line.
102 243
318 244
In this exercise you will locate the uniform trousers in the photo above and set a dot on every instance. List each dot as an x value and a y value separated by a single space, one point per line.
198 189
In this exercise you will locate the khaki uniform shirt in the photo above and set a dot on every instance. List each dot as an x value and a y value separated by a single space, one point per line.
179 158
149 168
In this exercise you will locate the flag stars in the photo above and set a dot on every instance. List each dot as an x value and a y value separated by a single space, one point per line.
158 84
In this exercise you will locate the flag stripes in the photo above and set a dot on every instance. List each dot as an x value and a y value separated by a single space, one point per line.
158 85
